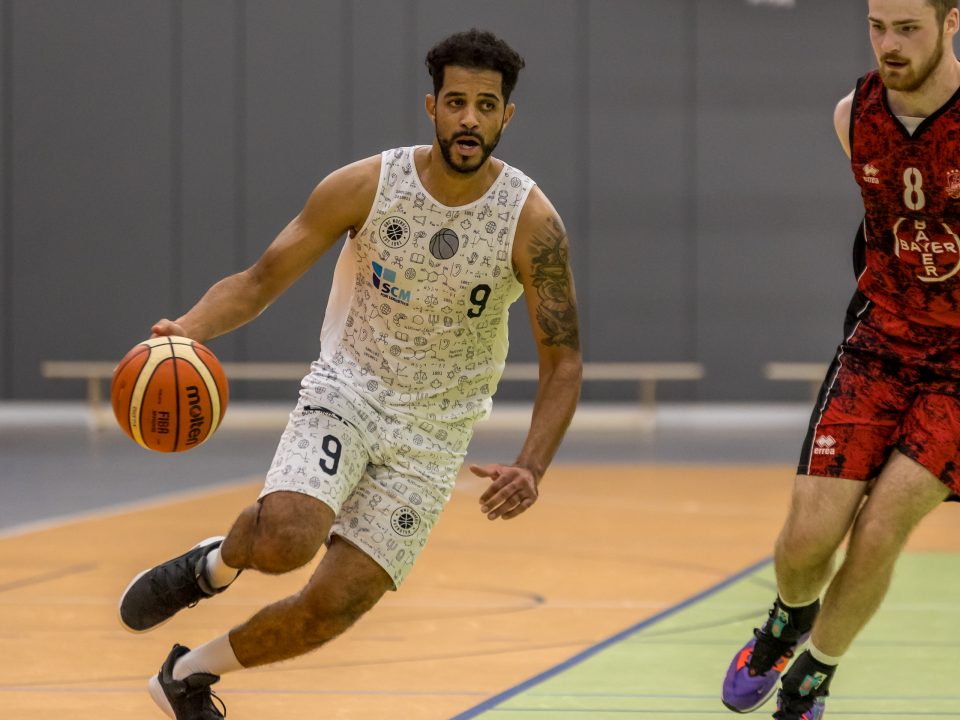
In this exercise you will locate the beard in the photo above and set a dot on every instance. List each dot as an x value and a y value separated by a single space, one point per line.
470 165
911 80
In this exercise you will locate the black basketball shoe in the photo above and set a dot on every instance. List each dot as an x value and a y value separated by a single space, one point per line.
188 699
804 689
792 707
156 595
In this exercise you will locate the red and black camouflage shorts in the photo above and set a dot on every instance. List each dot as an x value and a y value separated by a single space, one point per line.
892 385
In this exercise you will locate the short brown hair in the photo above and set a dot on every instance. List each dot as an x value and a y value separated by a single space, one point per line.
942 7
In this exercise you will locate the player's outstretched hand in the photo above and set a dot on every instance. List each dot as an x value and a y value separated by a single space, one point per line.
512 490
164 328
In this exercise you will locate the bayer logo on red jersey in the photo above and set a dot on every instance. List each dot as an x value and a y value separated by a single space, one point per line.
930 249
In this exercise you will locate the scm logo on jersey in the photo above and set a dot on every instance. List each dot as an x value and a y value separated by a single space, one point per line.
384 279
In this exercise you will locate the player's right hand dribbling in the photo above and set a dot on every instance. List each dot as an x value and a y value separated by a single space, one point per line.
164 327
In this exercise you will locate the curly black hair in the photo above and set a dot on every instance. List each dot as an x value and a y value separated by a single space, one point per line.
477 50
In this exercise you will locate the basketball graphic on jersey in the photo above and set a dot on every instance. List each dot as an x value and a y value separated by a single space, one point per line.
444 244
405 521
394 232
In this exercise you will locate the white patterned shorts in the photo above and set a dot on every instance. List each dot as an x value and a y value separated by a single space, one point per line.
387 493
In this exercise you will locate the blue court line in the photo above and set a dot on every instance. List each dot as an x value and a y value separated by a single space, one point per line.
46 689
726 713
713 696
604 644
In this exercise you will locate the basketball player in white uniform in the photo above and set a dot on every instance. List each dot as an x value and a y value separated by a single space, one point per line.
441 240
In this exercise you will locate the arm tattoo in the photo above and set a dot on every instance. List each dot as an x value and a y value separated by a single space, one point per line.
556 309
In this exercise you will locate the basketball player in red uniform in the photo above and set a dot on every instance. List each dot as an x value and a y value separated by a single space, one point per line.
883 446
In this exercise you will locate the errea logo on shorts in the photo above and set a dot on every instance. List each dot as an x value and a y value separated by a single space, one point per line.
405 521
825 445
384 279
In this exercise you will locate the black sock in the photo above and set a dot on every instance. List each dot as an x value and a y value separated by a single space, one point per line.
791 621
808 676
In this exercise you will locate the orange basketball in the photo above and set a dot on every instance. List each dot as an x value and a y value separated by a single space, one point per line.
169 393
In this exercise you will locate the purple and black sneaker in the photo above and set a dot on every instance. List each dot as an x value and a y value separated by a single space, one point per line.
794 708
804 689
754 671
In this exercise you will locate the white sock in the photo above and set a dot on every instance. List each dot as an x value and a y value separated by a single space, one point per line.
822 657
217 572
794 605
215 657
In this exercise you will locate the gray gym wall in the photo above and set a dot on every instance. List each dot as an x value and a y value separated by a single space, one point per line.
150 147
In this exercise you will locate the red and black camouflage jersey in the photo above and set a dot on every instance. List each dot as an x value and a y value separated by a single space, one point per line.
910 254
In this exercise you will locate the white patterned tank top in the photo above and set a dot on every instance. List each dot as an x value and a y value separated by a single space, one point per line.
416 323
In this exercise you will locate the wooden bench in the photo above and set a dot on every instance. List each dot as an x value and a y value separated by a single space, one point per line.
809 372
97 372
647 375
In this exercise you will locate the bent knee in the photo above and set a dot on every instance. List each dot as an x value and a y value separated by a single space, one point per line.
290 529
800 550
284 551
877 538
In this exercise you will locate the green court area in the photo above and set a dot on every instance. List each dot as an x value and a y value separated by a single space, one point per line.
904 665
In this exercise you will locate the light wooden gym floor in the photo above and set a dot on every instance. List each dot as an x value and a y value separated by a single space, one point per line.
488 606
